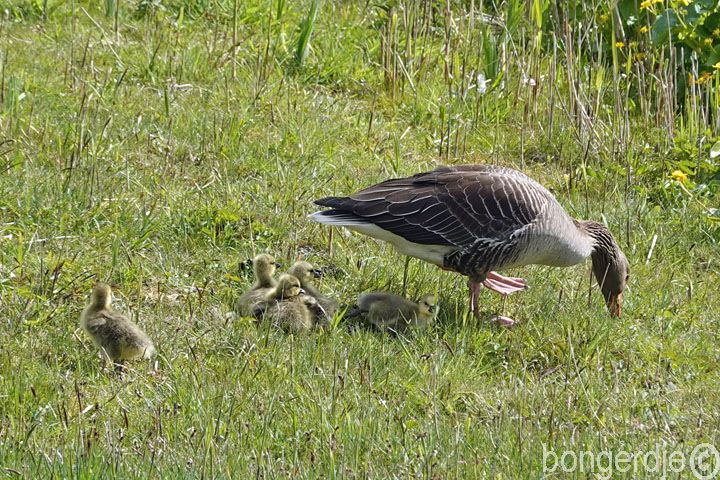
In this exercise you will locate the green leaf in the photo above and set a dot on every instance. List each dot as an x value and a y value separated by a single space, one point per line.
715 150
713 58
703 32
693 13
667 22
306 32
706 4
627 9
696 9
712 21
226 214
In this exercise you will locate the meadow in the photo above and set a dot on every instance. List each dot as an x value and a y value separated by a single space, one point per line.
159 145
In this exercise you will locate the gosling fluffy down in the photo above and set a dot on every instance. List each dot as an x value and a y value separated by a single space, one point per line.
305 272
288 307
251 301
387 311
115 334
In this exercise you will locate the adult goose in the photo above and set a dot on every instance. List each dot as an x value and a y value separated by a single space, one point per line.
475 219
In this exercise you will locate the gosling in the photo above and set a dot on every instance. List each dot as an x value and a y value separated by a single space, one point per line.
288 307
250 302
115 334
386 311
305 272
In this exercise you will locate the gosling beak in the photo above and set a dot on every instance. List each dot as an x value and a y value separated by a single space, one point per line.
317 273
614 304
301 291
431 308
277 265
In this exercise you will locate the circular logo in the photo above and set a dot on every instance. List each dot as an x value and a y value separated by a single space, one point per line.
705 461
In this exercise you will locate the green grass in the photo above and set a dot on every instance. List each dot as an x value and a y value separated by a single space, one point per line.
159 144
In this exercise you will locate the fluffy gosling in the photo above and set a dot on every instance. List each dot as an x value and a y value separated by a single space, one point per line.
305 272
115 334
288 307
251 301
386 311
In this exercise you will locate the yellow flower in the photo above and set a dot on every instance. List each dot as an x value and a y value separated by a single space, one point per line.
716 66
604 18
639 56
708 41
678 176
716 32
619 44
686 2
644 29
645 4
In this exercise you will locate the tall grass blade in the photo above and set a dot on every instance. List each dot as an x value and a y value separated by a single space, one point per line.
305 32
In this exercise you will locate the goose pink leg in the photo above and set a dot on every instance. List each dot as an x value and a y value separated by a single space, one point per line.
474 289
497 283
504 285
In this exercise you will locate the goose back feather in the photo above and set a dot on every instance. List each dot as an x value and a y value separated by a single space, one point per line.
471 219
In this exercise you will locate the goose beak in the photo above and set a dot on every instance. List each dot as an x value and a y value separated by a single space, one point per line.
317 273
431 308
301 291
614 304
277 265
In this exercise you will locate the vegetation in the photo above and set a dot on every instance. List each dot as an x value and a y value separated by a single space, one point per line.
159 144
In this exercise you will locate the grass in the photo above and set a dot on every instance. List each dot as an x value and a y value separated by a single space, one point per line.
159 144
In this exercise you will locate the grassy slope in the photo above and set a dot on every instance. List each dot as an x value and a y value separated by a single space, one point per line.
140 160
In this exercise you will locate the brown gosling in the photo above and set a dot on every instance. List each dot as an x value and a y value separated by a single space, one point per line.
288 307
250 302
305 272
116 335
387 311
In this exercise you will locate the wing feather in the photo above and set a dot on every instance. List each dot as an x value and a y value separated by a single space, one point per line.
453 206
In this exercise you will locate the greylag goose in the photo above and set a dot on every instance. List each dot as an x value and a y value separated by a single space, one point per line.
115 334
305 272
264 268
475 219
287 306
387 311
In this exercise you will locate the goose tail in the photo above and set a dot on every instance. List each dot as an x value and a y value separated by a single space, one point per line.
337 217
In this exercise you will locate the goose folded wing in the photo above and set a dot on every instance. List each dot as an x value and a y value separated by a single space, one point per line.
443 207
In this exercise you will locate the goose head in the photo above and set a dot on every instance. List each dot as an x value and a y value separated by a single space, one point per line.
101 296
609 264
288 286
427 305
612 275
304 272
264 266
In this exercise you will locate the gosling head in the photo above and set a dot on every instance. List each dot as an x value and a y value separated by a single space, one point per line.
427 305
288 286
264 265
101 296
304 272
